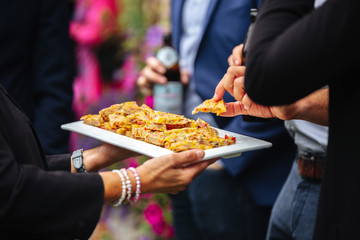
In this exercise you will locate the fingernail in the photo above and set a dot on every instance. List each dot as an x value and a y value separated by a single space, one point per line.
237 62
215 96
161 70
163 80
200 154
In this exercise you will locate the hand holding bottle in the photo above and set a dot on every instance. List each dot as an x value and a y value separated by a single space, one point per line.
153 73
162 78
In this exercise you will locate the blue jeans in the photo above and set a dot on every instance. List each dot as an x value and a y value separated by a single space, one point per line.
217 206
294 212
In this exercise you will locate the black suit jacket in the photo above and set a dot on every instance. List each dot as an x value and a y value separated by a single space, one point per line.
39 198
37 65
295 51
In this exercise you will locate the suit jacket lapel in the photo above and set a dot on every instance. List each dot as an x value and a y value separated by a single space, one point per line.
176 17
210 12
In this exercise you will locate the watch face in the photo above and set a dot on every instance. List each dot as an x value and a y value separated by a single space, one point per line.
77 162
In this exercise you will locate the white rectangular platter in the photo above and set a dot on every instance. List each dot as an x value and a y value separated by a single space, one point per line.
243 143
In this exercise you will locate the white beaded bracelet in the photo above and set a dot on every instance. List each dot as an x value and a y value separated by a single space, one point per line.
123 193
128 184
138 185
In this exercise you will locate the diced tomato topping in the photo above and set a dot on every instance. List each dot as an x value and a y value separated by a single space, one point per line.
231 138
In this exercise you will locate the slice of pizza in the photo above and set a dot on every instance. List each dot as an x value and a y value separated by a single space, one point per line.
161 127
113 109
116 121
211 106
94 120
204 125
172 121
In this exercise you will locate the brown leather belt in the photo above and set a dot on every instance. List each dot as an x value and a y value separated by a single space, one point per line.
311 167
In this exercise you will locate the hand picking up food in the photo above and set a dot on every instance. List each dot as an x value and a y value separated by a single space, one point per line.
211 106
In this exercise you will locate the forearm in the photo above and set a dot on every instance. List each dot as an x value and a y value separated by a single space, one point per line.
103 156
314 107
113 185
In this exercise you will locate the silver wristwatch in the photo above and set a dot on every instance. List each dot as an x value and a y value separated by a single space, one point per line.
77 158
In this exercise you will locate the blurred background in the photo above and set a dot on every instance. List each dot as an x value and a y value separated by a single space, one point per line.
112 39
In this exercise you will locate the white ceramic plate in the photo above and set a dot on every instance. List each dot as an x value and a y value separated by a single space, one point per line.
243 143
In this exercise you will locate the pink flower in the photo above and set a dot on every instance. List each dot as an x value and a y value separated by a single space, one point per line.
132 162
154 215
159 227
170 232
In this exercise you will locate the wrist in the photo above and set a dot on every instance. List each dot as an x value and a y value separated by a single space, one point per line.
121 186
314 107
92 159
112 186
145 179
89 157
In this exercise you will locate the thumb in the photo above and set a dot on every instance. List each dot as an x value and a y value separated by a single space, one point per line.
237 53
247 102
188 157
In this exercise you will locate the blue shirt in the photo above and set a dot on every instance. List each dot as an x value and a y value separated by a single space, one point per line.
309 137
193 23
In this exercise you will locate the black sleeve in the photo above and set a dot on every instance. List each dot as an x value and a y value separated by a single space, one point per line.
38 202
296 50
59 162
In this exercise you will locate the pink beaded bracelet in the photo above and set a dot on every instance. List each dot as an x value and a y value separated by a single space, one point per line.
138 185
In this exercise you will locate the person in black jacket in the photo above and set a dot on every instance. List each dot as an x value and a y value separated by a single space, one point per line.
37 65
295 51
294 213
42 197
